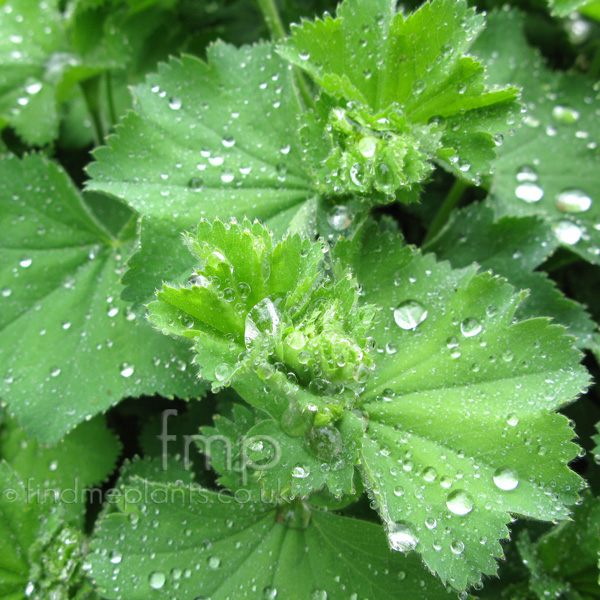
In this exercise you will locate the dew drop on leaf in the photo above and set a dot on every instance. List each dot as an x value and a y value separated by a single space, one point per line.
214 562
319 595
157 580
410 314
573 201
567 232
127 370
339 218
529 192
324 442
470 327
460 502
300 472
269 593
175 103
401 536
512 420
506 479
457 547
223 372
565 115
115 557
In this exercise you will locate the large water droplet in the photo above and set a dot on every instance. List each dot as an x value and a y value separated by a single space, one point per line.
264 317
324 442
127 370
401 536
565 114
157 580
410 314
470 327
573 201
300 472
567 232
339 218
529 192
506 479
367 146
527 173
457 547
460 502
175 103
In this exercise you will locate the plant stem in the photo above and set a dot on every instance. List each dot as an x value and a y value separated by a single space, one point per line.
272 19
452 199
110 99
91 95
274 23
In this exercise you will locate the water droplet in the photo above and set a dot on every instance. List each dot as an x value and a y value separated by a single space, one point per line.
54 372
573 201
418 86
214 562
527 173
25 263
409 314
223 372
457 547
175 103
512 420
285 149
398 491
304 55
429 474
565 114
53 466
33 88
113 312
367 146
228 141
196 183
460 502
264 317
529 192
324 442
506 479
127 370
269 593
401 536
339 218
300 472
227 176
567 232
430 523
319 595
6 292
115 557
157 580
470 327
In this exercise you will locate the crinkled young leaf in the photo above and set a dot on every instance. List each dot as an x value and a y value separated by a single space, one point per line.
86 456
69 347
208 139
232 548
41 557
405 92
534 173
40 64
462 430
513 247
266 317
258 310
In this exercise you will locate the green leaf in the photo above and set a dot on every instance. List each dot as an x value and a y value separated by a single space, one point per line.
63 329
462 431
40 65
563 8
513 247
19 524
60 474
177 160
534 174
567 557
405 93
232 548
41 557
